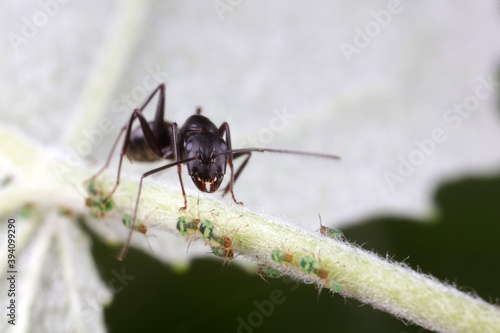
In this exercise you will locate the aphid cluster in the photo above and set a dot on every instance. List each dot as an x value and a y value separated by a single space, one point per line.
307 264
98 203
218 239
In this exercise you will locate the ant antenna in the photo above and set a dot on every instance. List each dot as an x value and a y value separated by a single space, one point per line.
281 151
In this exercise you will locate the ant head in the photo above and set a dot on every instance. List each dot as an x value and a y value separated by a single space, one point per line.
208 169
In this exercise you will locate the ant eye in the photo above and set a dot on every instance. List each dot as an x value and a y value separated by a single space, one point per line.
189 146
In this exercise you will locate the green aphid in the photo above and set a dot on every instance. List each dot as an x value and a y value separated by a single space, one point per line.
222 240
127 220
281 257
97 201
334 286
108 205
223 252
331 233
138 226
92 189
26 211
219 251
307 264
268 272
311 266
100 204
186 228
209 233
91 203
207 230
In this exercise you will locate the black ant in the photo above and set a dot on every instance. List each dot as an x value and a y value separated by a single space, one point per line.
198 143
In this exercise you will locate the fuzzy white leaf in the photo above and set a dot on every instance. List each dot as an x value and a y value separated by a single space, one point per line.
73 71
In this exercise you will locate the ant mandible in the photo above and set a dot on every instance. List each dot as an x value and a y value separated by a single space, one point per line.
198 143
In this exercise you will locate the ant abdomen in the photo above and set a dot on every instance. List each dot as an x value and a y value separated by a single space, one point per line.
140 150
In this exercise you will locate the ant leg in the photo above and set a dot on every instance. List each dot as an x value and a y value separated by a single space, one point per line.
177 158
134 216
161 103
158 124
158 121
148 135
109 157
224 129
152 138
240 169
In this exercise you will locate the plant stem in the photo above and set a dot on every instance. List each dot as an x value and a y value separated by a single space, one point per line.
386 285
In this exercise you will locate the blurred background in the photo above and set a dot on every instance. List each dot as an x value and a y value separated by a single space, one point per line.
405 92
